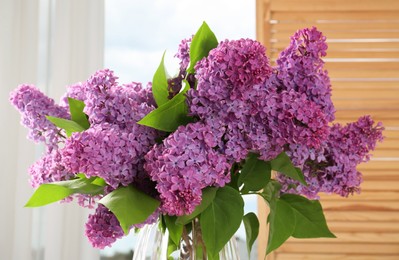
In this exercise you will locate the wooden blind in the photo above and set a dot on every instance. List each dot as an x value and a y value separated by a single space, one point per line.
363 64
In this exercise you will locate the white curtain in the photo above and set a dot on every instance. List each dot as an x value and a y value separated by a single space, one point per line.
50 43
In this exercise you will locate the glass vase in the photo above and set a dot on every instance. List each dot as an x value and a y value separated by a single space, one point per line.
152 244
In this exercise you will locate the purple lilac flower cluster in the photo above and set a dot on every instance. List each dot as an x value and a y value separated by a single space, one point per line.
48 169
183 53
184 164
238 97
332 167
106 151
300 68
113 148
102 228
34 106
240 105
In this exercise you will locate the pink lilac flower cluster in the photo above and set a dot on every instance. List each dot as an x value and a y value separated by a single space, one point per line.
240 104
183 165
113 148
332 167
183 53
102 228
34 106
48 169
300 68
237 96
107 151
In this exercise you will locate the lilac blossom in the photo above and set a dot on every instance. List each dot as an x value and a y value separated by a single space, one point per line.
48 169
301 68
109 152
258 116
103 228
34 106
107 102
332 167
185 164
183 53
231 68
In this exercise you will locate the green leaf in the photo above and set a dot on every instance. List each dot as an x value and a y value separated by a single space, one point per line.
282 224
309 218
46 194
251 224
271 191
172 247
208 195
203 41
283 164
160 84
68 125
130 206
175 230
221 219
255 174
169 116
55 191
77 115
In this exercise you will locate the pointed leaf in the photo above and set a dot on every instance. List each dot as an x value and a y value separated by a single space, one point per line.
251 224
175 230
130 206
160 84
255 174
282 224
77 115
169 116
172 247
46 194
282 163
309 217
203 41
68 125
221 219
208 195
271 191
55 191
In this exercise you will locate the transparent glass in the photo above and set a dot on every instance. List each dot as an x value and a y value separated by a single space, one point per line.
153 245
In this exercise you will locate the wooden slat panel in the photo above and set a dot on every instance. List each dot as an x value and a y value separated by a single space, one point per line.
364 74
379 165
366 216
363 64
333 256
378 115
368 195
329 65
356 248
381 185
334 5
365 85
379 174
349 205
328 15
383 104
369 94
350 237
336 25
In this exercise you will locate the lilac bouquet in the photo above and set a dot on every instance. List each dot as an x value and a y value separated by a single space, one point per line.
190 146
